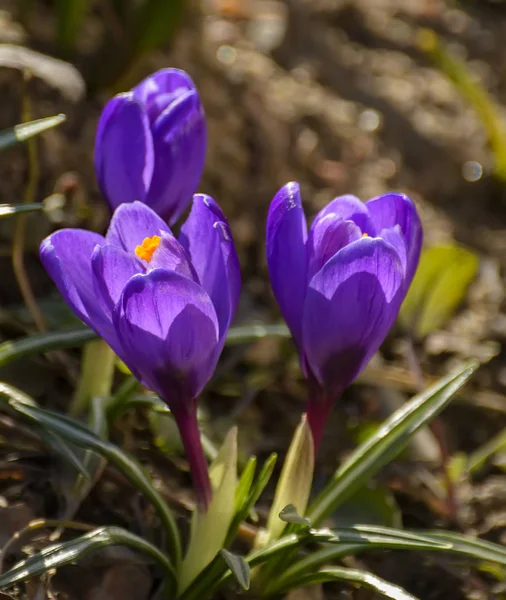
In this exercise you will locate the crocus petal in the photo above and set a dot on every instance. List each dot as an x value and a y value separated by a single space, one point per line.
157 91
171 255
169 331
66 256
124 157
112 268
351 304
207 239
328 237
397 209
179 138
348 208
131 224
395 238
286 255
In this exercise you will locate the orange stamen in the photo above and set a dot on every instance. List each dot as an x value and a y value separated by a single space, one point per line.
148 246
365 235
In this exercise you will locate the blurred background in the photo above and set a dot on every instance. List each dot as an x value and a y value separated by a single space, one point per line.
344 96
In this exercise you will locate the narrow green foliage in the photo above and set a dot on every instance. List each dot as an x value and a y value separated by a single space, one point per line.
386 443
357 577
473 92
63 450
78 434
10 210
25 131
294 485
467 546
238 566
156 22
252 497
70 17
73 338
245 482
439 286
245 334
44 342
479 457
209 529
97 372
290 515
58 555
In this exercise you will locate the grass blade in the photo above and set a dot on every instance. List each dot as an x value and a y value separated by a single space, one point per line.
70 16
72 338
467 546
254 494
61 449
80 435
239 567
10 210
349 541
58 555
44 342
24 131
356 576
386 443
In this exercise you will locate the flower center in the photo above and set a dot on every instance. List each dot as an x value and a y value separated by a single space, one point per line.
365 235
148 246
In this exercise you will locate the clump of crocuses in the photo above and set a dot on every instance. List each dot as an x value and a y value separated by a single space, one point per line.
163 304
340 287
151 144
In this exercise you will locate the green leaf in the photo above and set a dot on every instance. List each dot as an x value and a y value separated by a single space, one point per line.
78 434
72 338
70 16
294 485
289 514
468 546
209 529
388 441
440 284
212 579
96 377
349 541
473 92
58 555
24 131
479 457
245 334
155 23
254 494
355 576
95 464
10 210
370 504
238 566
44 342
245 482
59 447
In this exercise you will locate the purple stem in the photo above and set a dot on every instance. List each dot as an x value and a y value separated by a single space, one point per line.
320 406
190 435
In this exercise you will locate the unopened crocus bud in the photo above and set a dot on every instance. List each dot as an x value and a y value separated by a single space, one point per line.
163 304
340 287
151 143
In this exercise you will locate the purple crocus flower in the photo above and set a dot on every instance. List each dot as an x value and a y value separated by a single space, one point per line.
163 305
340 287
151 144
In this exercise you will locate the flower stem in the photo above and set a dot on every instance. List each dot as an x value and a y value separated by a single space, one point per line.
319 408
190 435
